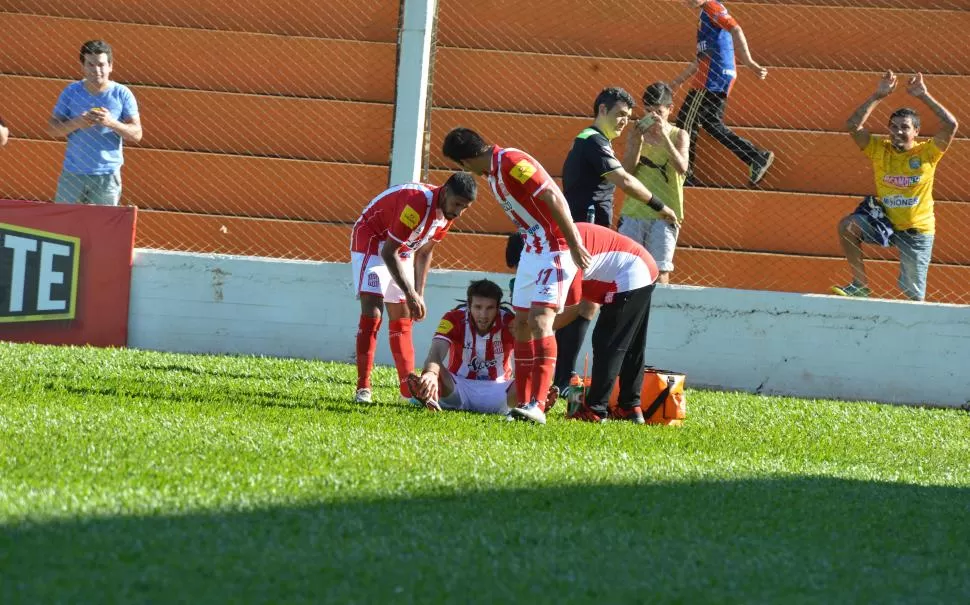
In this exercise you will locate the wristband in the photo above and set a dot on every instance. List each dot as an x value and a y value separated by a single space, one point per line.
655 204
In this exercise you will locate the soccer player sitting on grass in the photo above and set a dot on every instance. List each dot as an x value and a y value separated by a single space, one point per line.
476 338
621 277
390 251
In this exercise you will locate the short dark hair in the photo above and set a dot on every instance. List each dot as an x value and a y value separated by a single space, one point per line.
906 112
96 47
513 249
462 184
658 93
463 144
484 288
610 97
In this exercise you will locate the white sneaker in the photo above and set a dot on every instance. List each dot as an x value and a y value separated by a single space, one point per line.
530 411
363 396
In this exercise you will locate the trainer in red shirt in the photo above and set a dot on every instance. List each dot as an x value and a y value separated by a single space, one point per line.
553 252
390 251
621 277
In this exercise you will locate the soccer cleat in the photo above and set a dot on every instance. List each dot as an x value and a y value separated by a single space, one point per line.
551 398
363 396
531 411
634 414
577 409
760 166
852 290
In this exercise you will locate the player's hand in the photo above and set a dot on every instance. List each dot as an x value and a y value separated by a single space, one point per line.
761 72
428 391
916 86
886 86
669 215
581 256
416 306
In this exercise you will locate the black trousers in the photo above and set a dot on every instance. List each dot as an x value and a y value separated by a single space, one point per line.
705 109
619 341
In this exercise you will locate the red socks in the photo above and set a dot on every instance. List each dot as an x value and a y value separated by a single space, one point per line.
543 367
523 371
402 349
366 343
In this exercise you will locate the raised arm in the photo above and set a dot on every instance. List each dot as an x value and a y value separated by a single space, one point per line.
948 122
856 122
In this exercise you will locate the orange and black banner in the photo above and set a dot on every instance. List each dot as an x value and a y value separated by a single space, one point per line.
65 273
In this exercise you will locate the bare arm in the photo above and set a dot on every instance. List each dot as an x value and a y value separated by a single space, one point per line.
436 357
856 122
554 199
130 129
4 134
634 144
59 128
679 149
396 268
422 264
685 75
741 45
948 122
634 188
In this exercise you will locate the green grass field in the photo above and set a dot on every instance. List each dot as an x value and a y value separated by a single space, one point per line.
130 476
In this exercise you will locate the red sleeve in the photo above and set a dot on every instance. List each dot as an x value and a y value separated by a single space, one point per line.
523 175
719 15
450 327
407 216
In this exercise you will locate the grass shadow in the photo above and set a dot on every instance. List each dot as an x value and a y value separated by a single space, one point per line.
786 540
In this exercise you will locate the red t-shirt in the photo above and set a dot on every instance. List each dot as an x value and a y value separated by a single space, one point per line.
516 179
619 264
475 356
408 215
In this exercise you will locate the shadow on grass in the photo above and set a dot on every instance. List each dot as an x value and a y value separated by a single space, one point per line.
773 540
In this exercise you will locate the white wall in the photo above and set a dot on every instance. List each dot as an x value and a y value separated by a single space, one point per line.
804 345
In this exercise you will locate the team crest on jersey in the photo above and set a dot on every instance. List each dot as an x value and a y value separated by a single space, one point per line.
523 171
445 326
410 217
915 163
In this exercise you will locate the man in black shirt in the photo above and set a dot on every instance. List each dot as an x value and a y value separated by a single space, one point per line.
590 177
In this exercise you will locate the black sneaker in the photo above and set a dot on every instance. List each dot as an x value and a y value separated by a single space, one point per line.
760 166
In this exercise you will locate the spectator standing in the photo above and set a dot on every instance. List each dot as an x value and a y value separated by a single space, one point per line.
658 155
96 115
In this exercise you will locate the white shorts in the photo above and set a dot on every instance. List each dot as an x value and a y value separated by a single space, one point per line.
371 276
658 236
481 396
543 279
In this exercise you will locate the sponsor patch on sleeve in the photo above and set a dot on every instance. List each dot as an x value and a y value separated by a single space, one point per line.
523 171
445 326
410 217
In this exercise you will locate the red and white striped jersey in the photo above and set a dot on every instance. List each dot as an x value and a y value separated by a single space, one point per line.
475 356
516 178
406 214
619 264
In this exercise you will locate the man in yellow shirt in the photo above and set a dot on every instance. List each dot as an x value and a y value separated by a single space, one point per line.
901 213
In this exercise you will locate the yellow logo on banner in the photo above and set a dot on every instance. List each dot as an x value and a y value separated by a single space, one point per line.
410 217
523 171
445 326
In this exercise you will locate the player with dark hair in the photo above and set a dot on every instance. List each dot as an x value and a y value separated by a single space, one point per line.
901 213
553 252
390 249
476 340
